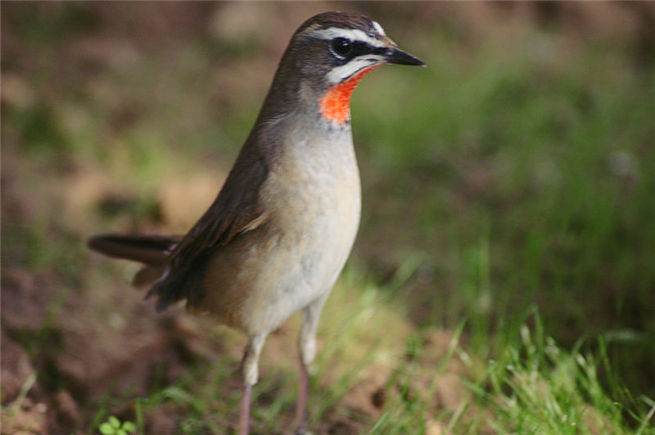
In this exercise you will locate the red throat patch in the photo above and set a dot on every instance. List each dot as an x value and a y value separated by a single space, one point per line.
335 104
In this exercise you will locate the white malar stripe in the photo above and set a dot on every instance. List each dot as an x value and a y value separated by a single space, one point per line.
352 34
378 28
356 65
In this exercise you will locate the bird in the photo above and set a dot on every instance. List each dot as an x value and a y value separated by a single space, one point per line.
278 234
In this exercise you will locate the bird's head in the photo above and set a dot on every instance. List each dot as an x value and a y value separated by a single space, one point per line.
329 54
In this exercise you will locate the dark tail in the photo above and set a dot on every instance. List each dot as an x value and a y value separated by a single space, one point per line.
152 251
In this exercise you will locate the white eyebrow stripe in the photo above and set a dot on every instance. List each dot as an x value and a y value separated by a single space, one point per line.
378 28
336 75
352 34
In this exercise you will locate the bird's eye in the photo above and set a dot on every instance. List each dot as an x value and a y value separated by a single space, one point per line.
342 46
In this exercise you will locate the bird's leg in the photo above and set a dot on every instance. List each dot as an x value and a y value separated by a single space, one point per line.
249 374
301 402
307 351
244 413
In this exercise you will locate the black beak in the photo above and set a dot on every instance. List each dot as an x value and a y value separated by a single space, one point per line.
394 55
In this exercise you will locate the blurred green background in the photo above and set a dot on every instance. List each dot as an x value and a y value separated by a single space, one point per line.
508 190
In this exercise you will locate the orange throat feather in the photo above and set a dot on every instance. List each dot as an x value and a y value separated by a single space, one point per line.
335 104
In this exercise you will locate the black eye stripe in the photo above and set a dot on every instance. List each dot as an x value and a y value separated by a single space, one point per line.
361 48
378 50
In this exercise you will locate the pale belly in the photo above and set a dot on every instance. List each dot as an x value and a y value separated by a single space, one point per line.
266 275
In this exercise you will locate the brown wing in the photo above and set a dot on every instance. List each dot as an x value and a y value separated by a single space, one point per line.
235 210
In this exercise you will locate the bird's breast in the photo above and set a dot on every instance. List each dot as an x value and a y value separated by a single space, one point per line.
313 195
311 198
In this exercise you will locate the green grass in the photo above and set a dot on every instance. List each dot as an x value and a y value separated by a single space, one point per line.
533 386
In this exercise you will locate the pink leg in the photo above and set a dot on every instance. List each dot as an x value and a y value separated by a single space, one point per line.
245 410
301 403
307 351
249 373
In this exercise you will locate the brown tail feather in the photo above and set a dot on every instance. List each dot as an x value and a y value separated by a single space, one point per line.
149 250
147 275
